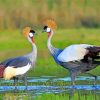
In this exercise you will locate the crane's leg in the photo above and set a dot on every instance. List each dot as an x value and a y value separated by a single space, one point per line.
25 82
95 77
15 84
73 76
91 61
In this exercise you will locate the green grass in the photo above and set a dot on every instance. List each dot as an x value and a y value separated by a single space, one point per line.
12 44
77 96
15 96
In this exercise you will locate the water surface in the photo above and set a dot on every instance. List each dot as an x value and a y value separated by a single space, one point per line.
41 85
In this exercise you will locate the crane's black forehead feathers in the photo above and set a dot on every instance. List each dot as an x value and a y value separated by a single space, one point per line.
32 31
45 27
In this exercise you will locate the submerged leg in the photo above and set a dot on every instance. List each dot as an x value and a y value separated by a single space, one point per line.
15 83
25 82
94 77
73 76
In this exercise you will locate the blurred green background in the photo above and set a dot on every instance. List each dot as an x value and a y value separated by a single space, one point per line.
78 22
67 13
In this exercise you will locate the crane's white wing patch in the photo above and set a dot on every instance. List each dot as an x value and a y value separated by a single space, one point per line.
23 70
73 52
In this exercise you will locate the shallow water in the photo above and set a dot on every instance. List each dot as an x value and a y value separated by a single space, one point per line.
54 79
38 89
54 89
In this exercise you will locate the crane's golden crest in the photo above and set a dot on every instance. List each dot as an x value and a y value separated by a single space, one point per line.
50 23
26 31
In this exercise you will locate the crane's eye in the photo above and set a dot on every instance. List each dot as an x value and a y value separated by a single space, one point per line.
31 34
48 29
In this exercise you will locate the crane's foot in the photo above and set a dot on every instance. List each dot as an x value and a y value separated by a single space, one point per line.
95 81
26 89
15 90
73 84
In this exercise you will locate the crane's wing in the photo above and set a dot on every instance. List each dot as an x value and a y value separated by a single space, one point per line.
75 52
16 62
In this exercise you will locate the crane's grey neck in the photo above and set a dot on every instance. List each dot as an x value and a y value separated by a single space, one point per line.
32 55
51 48
34 52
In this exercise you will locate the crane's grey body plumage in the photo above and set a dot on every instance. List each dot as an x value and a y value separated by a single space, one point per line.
78 66
16 62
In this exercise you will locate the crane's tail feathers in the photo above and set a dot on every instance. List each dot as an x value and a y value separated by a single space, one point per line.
94 49
9 73
94 52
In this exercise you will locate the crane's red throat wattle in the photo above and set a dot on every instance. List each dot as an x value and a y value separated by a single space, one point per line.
49 33
32 39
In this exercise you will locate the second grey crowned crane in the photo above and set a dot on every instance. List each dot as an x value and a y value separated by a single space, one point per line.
77 58
16 68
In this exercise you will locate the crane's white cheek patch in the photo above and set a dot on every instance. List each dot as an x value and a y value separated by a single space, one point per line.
10 72
48 30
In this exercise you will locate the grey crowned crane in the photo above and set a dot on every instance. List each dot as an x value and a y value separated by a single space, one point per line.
16 68
77 58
